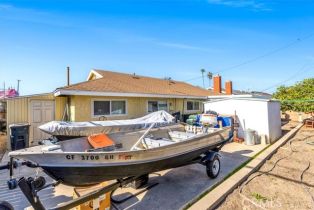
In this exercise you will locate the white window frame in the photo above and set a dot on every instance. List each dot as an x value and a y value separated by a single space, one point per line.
199 105
110 115
152 100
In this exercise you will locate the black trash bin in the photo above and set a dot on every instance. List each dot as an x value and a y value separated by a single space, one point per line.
19 135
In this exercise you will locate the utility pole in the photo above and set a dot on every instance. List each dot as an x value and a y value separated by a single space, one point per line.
203 71
3 90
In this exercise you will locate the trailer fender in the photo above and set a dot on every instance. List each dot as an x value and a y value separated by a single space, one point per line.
210 156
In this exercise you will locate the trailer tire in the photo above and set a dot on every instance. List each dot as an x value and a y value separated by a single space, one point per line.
213 167
5 206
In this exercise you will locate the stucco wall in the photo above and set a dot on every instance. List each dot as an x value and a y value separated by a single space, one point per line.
295 116
81 107
259 115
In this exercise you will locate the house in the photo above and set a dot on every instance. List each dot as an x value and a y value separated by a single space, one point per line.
113 95
9 93
106 95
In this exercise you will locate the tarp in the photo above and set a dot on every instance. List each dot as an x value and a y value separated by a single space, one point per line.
61 128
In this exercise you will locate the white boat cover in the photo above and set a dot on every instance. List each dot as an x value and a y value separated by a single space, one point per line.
61 128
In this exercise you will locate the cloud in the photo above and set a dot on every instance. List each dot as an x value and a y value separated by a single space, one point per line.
5 6
11 12
183 46
252 4
309 57
131 38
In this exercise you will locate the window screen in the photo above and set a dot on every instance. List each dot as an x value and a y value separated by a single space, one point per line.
101 108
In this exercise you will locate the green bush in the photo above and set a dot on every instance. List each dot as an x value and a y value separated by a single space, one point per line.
298 97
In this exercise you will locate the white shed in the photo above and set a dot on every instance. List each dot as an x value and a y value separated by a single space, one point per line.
259 114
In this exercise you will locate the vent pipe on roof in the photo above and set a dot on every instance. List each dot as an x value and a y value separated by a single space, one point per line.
68 76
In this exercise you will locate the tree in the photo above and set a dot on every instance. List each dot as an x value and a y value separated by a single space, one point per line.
203 71
210 77
298 97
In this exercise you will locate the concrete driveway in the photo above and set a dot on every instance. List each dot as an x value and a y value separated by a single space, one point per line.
176 187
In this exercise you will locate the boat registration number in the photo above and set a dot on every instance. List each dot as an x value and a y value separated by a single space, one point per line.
97 157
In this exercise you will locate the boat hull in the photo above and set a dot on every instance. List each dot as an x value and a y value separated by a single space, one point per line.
86 176
89 168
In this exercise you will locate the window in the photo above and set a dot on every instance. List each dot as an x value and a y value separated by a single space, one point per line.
101 108
118 107
154 106
114 107
192 105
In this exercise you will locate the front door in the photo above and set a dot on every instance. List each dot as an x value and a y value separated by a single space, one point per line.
41 112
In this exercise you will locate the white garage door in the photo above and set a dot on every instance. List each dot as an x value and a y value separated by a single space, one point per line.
41 111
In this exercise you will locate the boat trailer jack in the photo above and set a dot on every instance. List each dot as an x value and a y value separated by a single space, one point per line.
31 187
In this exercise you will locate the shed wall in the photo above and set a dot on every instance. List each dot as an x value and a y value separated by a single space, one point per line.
18 110
262 116
274 120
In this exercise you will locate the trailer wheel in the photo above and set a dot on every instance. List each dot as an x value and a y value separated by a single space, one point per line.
5 206
213 167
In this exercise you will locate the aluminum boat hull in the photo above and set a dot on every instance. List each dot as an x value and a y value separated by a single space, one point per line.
86 176
88 168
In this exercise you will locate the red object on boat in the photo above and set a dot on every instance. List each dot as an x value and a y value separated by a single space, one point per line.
100 141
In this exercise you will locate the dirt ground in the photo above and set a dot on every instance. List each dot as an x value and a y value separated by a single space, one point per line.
285 181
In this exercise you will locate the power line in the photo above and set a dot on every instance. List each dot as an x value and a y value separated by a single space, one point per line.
302 70
195 78
298 40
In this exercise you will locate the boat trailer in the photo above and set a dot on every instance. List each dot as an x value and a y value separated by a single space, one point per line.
31 186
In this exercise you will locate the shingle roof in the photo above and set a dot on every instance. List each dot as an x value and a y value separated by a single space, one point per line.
129 83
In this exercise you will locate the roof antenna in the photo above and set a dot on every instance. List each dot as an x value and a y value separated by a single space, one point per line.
135 76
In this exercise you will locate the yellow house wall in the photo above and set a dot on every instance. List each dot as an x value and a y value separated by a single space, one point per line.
81 107
18 110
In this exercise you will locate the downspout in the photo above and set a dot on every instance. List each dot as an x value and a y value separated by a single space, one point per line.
183 109
68 108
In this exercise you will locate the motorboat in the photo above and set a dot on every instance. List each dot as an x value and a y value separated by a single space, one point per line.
63 130
94 159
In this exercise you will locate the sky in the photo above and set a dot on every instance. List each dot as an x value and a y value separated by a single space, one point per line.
258 44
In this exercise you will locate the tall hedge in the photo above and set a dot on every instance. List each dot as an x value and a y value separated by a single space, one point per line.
298 97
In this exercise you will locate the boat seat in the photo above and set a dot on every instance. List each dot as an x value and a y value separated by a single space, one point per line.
98 141
178 136
156 142
107 148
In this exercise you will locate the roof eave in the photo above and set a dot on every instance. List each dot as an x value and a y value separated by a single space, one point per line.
60 92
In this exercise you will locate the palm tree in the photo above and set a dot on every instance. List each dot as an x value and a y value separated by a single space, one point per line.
203 71
210 77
